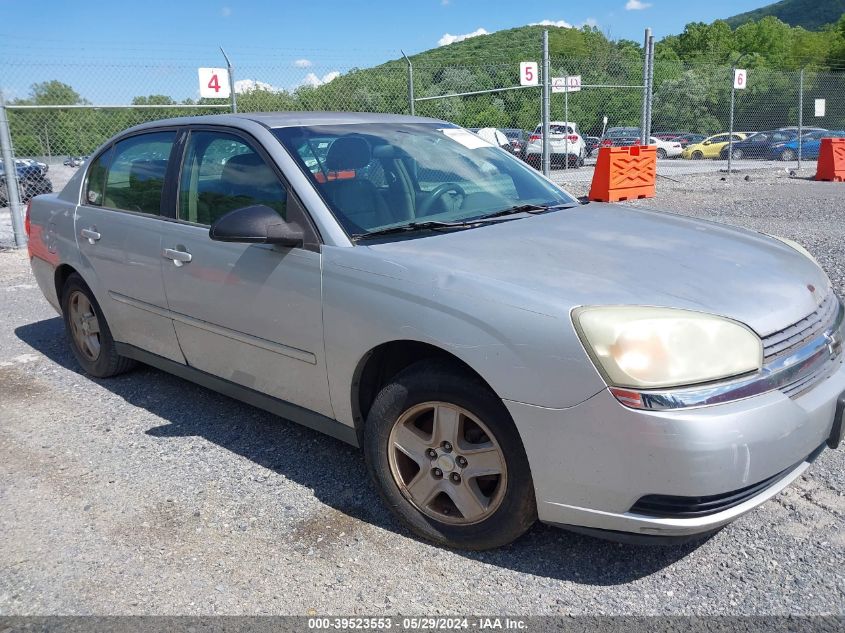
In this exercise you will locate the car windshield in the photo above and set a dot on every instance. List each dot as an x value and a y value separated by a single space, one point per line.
375 176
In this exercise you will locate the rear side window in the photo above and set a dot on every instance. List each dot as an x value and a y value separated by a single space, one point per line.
130 176
222 173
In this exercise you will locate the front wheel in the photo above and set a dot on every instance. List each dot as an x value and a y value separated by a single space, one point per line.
787 155
448 460
697 155
661 153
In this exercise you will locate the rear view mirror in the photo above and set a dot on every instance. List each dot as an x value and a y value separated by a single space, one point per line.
256 224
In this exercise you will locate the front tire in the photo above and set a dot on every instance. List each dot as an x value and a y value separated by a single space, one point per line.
661 153
447 458
90 337
787 155
697 155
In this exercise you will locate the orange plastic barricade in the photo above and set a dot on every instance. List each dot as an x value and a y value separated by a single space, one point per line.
624 173
831 160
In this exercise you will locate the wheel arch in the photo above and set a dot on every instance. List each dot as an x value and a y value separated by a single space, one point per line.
60 277
386 360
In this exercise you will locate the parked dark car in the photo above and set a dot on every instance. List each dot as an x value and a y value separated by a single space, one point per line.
810 145
592 142
689 139
621 136
668 136
758 145
31 180
518 139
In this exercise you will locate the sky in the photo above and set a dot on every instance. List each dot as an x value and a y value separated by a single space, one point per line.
111 51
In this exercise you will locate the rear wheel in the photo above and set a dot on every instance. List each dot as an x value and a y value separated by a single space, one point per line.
697 155
661 153
448 460
737 154
787 155
90 337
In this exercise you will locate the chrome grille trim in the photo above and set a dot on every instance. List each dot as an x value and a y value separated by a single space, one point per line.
782 341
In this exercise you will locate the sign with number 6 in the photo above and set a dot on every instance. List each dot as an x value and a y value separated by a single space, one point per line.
528 74
214 83
739 78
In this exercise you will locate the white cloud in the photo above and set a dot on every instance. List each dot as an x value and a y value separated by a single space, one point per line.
303 63
448 38
563 24
226 12
559 23
311 79
248 85
445 3
636 5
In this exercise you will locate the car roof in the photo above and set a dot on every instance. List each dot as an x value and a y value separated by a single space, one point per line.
289 119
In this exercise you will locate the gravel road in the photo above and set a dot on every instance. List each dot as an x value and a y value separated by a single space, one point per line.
145 494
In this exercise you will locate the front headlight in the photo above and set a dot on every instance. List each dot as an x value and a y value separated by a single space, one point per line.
646 348
797 247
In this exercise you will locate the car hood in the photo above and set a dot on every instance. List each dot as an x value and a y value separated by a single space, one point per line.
602 254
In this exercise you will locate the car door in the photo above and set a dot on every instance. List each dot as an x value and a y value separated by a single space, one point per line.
118 230
248 313
714 147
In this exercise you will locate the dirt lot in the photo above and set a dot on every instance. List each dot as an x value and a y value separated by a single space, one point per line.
147 494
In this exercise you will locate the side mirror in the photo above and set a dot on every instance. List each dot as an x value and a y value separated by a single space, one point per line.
256 224
706 143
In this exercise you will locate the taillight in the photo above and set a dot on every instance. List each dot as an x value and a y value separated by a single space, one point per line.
534 137
606 142
572 138
26 222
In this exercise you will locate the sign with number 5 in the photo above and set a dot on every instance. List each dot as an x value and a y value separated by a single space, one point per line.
739 78
214 83
528 75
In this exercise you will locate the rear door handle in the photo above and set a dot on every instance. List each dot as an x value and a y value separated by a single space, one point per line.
91 234
180 258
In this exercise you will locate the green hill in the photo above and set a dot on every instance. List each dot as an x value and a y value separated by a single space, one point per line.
809 14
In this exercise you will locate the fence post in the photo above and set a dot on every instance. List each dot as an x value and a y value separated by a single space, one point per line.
566 120
800 113
12 191
649 89
410 83
731 126
645 86
231 81
546 106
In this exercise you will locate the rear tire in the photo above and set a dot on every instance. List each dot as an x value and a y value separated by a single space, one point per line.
787 155
661 153
429 401
697 155
90 337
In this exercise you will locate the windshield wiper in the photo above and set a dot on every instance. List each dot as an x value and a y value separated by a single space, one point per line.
482 219
413 226
525 208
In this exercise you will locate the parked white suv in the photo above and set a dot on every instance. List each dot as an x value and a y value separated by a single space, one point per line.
565 141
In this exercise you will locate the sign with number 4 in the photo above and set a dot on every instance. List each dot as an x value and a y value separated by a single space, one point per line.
528 74
214 83
739 78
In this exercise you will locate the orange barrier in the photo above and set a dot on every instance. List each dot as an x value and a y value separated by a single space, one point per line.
831 160
624 173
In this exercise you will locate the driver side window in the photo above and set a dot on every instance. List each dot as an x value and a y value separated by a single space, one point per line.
221 173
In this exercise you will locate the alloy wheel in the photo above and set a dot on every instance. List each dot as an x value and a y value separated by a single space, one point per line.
447 463
84 325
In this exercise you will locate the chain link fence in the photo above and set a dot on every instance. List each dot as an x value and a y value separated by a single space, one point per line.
59 112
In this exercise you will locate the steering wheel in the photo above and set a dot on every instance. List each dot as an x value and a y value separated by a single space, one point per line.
436 193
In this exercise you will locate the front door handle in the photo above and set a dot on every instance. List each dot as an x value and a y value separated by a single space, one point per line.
91 234
180 258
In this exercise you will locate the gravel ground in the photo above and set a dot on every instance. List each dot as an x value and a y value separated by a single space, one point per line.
146 494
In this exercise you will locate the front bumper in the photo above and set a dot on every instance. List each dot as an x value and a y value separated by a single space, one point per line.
593 462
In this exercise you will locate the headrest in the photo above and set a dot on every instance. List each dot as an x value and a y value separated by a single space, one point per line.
247 169
348 152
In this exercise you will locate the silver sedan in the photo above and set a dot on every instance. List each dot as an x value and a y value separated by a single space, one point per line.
500 351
